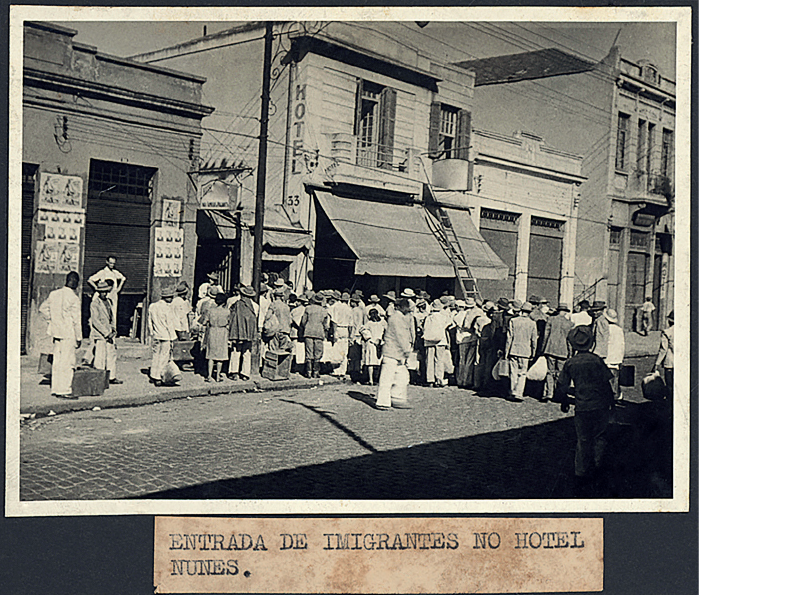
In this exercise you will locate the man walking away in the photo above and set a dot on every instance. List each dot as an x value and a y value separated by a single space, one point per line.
63 312
555 347
398 344
243 329
593 400
615 351
521 343
647 309
666 353
436 343
581 317
102 331
163 329
314 328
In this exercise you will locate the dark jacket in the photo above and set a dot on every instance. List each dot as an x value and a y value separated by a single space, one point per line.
556 339
314 322
591 379
243 324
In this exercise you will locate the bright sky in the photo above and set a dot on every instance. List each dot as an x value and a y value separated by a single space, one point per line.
451 41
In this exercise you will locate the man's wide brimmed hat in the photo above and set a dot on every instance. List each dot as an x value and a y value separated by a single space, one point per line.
599 305
247 291
437 306
503 303
469 302
374 299
533 299
390 295
212 291
167 292
344 297
317 298
104 285
408 293
563 307
212 275
581 338
612 316
183 288
527 307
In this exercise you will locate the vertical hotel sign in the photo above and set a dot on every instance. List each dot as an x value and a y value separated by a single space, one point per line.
60 211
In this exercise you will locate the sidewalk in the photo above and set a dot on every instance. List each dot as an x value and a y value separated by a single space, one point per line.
133 367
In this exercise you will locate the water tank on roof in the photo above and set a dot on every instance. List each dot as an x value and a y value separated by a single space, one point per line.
452 174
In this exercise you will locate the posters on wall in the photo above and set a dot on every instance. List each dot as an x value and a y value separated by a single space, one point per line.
60 192
168 251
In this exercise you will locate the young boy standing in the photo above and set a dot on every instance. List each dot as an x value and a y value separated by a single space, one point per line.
593 400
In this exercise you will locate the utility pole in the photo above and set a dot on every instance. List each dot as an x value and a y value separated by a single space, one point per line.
261 171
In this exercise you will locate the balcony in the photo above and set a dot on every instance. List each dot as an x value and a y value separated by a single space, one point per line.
371 164
652 187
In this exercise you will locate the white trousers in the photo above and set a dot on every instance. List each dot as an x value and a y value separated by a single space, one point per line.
240 351
64 360
161 354
105 357
393 387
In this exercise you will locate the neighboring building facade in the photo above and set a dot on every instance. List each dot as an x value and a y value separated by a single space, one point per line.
526 195
621 117
107 147
358 125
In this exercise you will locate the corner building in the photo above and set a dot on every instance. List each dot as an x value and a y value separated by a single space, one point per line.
107 147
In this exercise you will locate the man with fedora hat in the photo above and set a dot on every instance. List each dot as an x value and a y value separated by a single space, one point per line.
521 344
555 346
601 333
593 400
313 329
102 330
182 309
243 329
163 325
341 315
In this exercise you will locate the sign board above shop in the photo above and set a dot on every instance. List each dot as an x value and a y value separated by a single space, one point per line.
217 194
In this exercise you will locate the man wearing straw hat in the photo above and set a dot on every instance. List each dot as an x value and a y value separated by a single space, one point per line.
521 344
163 329
102 330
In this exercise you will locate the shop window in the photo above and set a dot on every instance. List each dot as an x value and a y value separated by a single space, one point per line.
639 239
621 141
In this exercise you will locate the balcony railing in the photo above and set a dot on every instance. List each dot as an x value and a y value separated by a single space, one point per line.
350 149
380 156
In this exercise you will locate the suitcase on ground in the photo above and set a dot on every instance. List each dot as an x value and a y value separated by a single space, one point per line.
276 366
627 375
182 351
90 382
45 363
653 387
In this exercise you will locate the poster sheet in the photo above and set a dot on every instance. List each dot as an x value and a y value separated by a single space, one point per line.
122 533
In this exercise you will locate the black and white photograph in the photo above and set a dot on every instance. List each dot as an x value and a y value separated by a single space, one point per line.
272 263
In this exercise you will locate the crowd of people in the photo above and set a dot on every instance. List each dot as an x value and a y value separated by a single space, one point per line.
506 347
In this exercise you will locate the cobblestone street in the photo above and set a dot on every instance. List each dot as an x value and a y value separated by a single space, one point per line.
328 442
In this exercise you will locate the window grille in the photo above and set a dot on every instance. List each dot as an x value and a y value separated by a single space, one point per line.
499 215
549 223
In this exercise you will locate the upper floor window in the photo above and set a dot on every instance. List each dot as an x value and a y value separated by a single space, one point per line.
374 124
621 141
450 132
667 152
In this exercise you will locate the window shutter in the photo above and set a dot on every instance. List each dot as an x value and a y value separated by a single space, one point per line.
358 107
463 135
388 112
433 128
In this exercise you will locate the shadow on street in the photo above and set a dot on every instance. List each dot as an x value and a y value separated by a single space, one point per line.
534 462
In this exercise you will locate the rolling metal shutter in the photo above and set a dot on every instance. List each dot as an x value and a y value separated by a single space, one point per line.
28 187
118 219
545 258
500 230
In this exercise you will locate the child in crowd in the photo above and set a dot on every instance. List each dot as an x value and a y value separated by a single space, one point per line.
372 333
